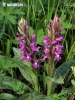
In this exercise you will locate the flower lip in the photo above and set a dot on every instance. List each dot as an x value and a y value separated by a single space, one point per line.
35 64
33 37
60 38
49 27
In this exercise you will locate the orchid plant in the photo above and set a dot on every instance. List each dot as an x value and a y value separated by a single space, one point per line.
50 50
42 56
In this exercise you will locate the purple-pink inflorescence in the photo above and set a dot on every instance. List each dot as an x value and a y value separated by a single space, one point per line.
51 43
28 45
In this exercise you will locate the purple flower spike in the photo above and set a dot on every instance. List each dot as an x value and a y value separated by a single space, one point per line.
35 64
60 38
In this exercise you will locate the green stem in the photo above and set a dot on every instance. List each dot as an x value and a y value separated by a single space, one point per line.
50 74
49 88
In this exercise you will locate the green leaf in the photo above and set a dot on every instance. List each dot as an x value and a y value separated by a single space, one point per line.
14 41
33 96
9 14
67 25
17 11
40 35
28 72
73 70
71 52
11 18
6 96
6 63
38 96
63 69
60 80
66 91
73 83
31 30
11 83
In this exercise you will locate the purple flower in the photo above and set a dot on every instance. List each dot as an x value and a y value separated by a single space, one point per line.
27 58
51 21
54 42
49 27
46 50
60 38
26 26
22 53
56 33
44 57
34 46
35 64
33 37
58 52
55 26
58 49
61 29
57 57
59 20
45 40
23 26
18 39
18 34
22 46
22 38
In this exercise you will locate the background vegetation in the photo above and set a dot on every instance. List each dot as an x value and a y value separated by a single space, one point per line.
14 80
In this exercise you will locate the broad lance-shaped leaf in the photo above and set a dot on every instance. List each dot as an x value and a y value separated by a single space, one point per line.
37 96
33 78
25 74
63 69
40 35
6 96
33 96
14 84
